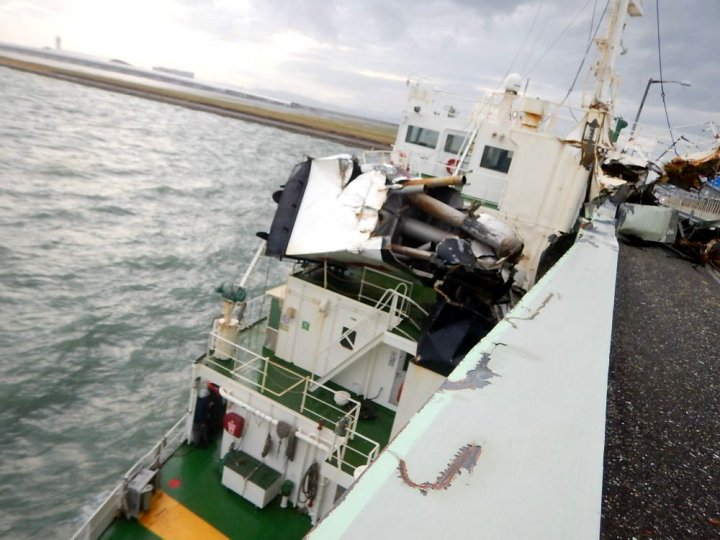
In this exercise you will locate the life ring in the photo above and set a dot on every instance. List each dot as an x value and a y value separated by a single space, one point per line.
450 165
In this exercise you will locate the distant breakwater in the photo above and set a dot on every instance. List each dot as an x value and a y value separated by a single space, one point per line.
358 133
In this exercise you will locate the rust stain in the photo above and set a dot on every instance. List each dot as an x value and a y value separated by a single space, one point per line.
465 458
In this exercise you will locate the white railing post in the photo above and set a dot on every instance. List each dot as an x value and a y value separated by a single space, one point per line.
393 310
304 395
264 378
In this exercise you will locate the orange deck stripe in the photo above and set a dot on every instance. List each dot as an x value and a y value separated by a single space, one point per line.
170 520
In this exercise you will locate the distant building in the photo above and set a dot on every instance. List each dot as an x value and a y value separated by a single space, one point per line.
58 43
178 72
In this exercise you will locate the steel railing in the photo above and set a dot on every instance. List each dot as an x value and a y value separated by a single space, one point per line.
376 157
311 406
252 369
114 503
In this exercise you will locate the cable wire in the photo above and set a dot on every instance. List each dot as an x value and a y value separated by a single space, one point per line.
591 38
592 23
539 33
560 35
662 86
527 35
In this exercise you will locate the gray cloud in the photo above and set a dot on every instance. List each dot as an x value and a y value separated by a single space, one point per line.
459 45
689 44
462 45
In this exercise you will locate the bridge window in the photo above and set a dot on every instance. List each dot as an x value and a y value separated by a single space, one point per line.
422 136
496 159
454 143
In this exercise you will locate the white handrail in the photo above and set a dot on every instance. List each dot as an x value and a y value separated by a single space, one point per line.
298 380
252 264
274 421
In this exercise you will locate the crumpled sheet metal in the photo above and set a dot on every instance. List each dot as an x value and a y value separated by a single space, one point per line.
649 223
686 172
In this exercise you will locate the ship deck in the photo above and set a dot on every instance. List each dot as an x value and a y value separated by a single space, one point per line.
661 457
191 477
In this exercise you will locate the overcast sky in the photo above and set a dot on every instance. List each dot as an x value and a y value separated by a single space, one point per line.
357 54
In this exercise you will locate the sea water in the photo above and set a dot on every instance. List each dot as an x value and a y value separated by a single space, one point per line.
118 218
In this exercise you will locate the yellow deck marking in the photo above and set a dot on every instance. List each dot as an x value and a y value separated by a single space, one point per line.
170 520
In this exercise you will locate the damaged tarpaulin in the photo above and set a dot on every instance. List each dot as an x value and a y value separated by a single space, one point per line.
621 166
328 209
334 209
449 334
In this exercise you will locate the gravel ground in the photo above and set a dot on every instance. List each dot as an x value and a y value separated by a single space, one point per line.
662 448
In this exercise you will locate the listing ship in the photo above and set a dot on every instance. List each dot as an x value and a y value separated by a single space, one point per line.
404 371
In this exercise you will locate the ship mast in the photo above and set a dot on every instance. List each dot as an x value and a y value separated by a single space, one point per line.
596 129
610 48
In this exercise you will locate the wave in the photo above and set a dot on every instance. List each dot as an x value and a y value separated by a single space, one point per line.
119 216
114 210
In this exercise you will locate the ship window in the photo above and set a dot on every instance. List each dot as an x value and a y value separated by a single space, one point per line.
347 338
454 143
497 159
422 136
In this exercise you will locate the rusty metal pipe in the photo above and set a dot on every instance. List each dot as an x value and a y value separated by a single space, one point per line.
503 244
407 190
420 230
413 253
455 180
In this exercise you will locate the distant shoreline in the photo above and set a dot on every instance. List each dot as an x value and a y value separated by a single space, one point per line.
364 134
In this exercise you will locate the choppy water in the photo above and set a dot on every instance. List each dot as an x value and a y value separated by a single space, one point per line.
118 217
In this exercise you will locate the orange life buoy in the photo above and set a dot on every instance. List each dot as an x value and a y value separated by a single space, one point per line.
450 165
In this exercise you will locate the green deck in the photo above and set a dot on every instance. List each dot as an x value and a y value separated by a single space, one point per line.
122 529
200 490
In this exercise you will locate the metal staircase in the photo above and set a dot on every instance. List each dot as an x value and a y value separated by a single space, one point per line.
389 312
